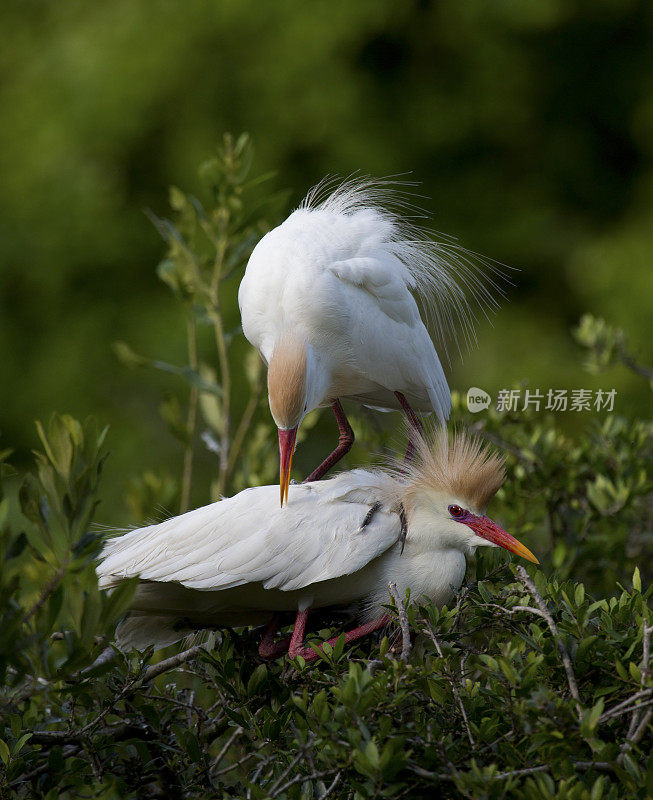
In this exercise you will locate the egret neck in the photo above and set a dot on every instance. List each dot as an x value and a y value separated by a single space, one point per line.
297 383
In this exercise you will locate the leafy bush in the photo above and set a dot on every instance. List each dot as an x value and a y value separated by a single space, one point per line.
532 685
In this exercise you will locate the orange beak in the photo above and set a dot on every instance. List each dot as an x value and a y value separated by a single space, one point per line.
487 529
286 449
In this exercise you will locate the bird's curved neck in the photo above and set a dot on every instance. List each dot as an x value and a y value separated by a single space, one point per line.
287 379
299 379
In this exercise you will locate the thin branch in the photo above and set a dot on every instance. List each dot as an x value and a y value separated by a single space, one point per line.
622 707
243 427
191 420
232 767
333 785
224 749
638 707
28 776
580 766
299 779
47 591
634 736
638 723
641 728
403 622
450 678
292 764
173 662
646 653
45 737
633 365
564 655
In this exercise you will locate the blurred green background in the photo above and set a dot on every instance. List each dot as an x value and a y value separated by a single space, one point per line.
529 125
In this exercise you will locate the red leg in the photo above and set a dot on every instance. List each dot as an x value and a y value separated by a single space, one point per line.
345 441
269 648
414 421
297 647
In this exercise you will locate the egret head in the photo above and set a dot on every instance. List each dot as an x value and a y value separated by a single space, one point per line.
448 487
287 394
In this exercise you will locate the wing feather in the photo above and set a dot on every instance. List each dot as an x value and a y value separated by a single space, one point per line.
386 279
249 539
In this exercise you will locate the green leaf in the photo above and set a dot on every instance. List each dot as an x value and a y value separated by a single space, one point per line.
20 743
591 718
257 679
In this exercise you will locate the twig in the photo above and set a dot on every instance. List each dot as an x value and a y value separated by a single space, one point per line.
638 707
225 380
622 708
628 361
224 749
28 776
191 420
646 652
171 663
150 673
258 771
333 785
298 779
634 733
231 767
638 724
641 728
243 426
47 591
292 764
564 655
581 766
403 622
451 680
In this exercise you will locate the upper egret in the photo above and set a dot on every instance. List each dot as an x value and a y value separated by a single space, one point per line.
241 561
330 300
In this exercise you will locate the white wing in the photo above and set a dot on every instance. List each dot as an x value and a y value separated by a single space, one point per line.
388 341
249 539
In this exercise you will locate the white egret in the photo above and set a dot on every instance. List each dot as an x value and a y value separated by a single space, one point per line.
242 561
330 300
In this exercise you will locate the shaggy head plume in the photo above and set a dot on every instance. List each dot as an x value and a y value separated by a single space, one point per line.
452 284
457 463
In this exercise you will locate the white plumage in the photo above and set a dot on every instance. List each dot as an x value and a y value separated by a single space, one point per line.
237 561
339 282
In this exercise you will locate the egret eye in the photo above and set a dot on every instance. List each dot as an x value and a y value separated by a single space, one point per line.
456 511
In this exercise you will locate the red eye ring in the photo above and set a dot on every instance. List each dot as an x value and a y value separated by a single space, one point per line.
456 511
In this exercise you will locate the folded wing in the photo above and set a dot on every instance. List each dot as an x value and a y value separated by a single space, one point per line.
249 539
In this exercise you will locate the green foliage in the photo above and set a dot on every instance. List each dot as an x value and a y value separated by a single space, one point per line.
207 245
606 346
484 707
525 687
